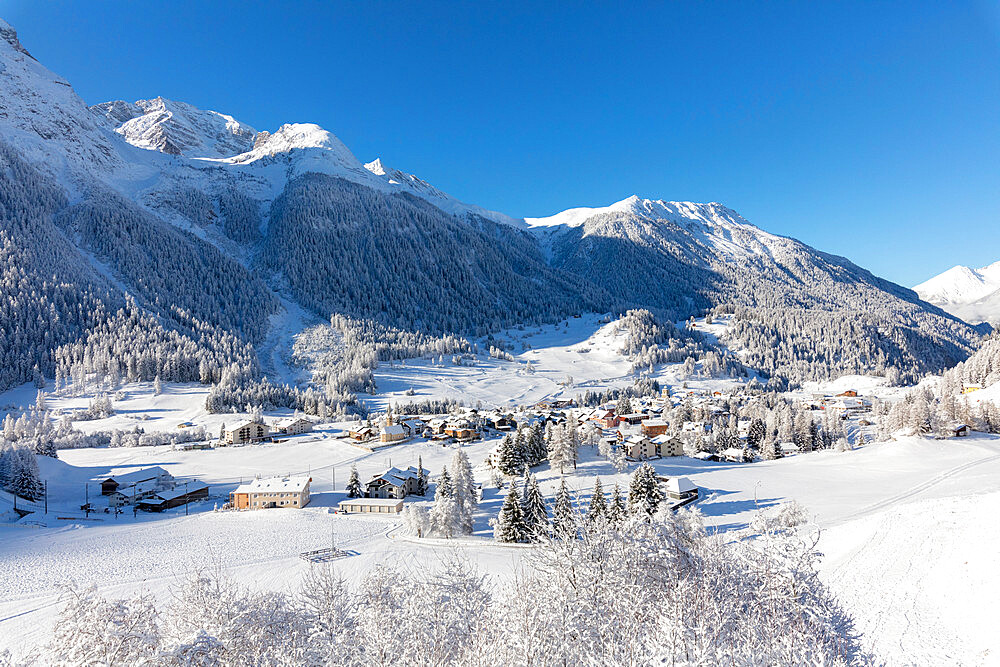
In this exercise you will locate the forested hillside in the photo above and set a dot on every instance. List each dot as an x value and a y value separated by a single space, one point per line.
345 248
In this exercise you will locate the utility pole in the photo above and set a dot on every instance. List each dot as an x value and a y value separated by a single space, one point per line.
46 496
186 499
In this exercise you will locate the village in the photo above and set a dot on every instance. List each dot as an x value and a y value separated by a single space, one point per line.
698 423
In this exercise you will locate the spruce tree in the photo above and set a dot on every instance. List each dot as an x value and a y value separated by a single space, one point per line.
598 509
536 516
354 484
644 493
421 477
510 526
444 484
563 521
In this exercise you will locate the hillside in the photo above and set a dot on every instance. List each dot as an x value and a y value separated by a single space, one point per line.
216 232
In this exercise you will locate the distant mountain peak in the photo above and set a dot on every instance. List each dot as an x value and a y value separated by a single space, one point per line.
972 294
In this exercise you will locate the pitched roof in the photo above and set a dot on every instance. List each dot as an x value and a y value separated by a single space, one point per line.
680 485
136 476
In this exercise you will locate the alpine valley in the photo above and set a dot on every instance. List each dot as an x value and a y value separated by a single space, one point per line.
263 403
182 241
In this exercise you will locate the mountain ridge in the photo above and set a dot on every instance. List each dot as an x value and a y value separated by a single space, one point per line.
290 205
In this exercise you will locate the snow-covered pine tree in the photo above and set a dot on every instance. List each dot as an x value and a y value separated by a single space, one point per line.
421 477
598 509
644 492
25 479
463 489
445 516
536 516
511 459
354 484
563 520
509 525
560 450
157 386
444 486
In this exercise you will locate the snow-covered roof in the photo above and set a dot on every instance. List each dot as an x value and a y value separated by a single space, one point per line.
179 491
732 451
277 485
238 425
703 456
680 485
369 502
289 421
127 478
655 423
392 429
395 475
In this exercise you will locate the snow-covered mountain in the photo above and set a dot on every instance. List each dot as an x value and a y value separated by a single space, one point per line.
971 294
205 230
177 128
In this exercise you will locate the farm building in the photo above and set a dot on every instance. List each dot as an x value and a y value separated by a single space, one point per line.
362 433
371 506
155 474
247 432
393 483
272 492
183 494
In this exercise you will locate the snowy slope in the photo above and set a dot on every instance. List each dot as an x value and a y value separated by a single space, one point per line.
177 128
971 294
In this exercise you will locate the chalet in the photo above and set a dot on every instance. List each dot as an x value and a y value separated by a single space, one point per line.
638 447
247 432
181 495
705 456
499 422
460 430
280 492
788 449
371 506
294 426
654 427
667 445
681 488
413 427
850 393
606 418
845 405
733 455
437 425
393 483
157 475
362 433
696 427
958 430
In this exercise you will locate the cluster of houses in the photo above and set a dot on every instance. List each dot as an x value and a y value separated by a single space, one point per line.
151 489
248 431
846 402
459 428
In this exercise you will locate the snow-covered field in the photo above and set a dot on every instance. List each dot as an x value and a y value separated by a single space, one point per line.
585 349
893 513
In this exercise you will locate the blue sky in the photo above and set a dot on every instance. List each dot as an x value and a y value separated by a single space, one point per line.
870 130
